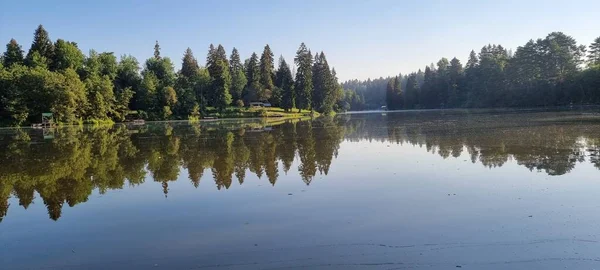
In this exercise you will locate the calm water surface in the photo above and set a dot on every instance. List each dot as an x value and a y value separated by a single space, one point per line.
430 190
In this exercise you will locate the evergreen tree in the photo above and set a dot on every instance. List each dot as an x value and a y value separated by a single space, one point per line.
303 86
156 50
13 54
189 66
238 77
411 92
42 45
455 79
427 89
471 70
218 69
253 77
266 74
323 85
285 82
389 95
187 104
593 54
162 67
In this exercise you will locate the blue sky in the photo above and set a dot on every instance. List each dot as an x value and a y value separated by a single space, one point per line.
360 38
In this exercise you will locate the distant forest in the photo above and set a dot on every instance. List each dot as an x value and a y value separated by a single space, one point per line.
553 71
58 77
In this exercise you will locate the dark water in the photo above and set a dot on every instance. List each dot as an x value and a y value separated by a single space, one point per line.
430 190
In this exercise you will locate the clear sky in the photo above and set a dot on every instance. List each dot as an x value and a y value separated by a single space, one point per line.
360 38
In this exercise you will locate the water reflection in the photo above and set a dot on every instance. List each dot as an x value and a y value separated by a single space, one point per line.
67 168
549 142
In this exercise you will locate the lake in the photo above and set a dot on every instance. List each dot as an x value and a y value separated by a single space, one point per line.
393 190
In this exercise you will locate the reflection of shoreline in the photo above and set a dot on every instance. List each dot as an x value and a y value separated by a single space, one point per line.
78 160
549 142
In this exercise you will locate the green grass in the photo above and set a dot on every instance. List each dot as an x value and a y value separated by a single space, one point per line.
267 112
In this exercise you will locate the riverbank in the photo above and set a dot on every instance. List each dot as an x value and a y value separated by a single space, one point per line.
210 114
259 112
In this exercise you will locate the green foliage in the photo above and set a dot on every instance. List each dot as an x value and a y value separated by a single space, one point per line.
324 86
43 46
189 65
238 77
218 68
411 92
543 72
251 92
108 65
67 55
285 82
303 86
393 94
146 98
266 74
96 88
128 75
13 54
239 103
69 97
594 53
100 96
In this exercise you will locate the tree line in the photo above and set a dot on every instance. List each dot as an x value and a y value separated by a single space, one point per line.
550 71
58 77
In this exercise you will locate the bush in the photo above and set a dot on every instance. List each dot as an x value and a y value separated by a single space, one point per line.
239 103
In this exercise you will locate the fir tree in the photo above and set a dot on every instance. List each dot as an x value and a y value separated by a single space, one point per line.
13 54
156 50
285 82
189 65
266 74
303 86
42 45
594 53
218 69
238 78
253 77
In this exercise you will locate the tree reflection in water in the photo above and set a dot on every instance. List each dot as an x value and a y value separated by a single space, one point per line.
67 168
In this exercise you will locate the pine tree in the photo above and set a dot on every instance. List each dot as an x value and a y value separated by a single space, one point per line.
285 82
253 77
156 50
455 73
323 85
594 53
427 89
238 78
303 86
42 45
13 54
266 74
411 92
218 69
389 94
189 65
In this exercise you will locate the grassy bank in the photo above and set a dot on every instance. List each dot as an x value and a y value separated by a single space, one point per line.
266 112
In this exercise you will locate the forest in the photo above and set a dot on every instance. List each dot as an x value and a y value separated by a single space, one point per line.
58 77
550 71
